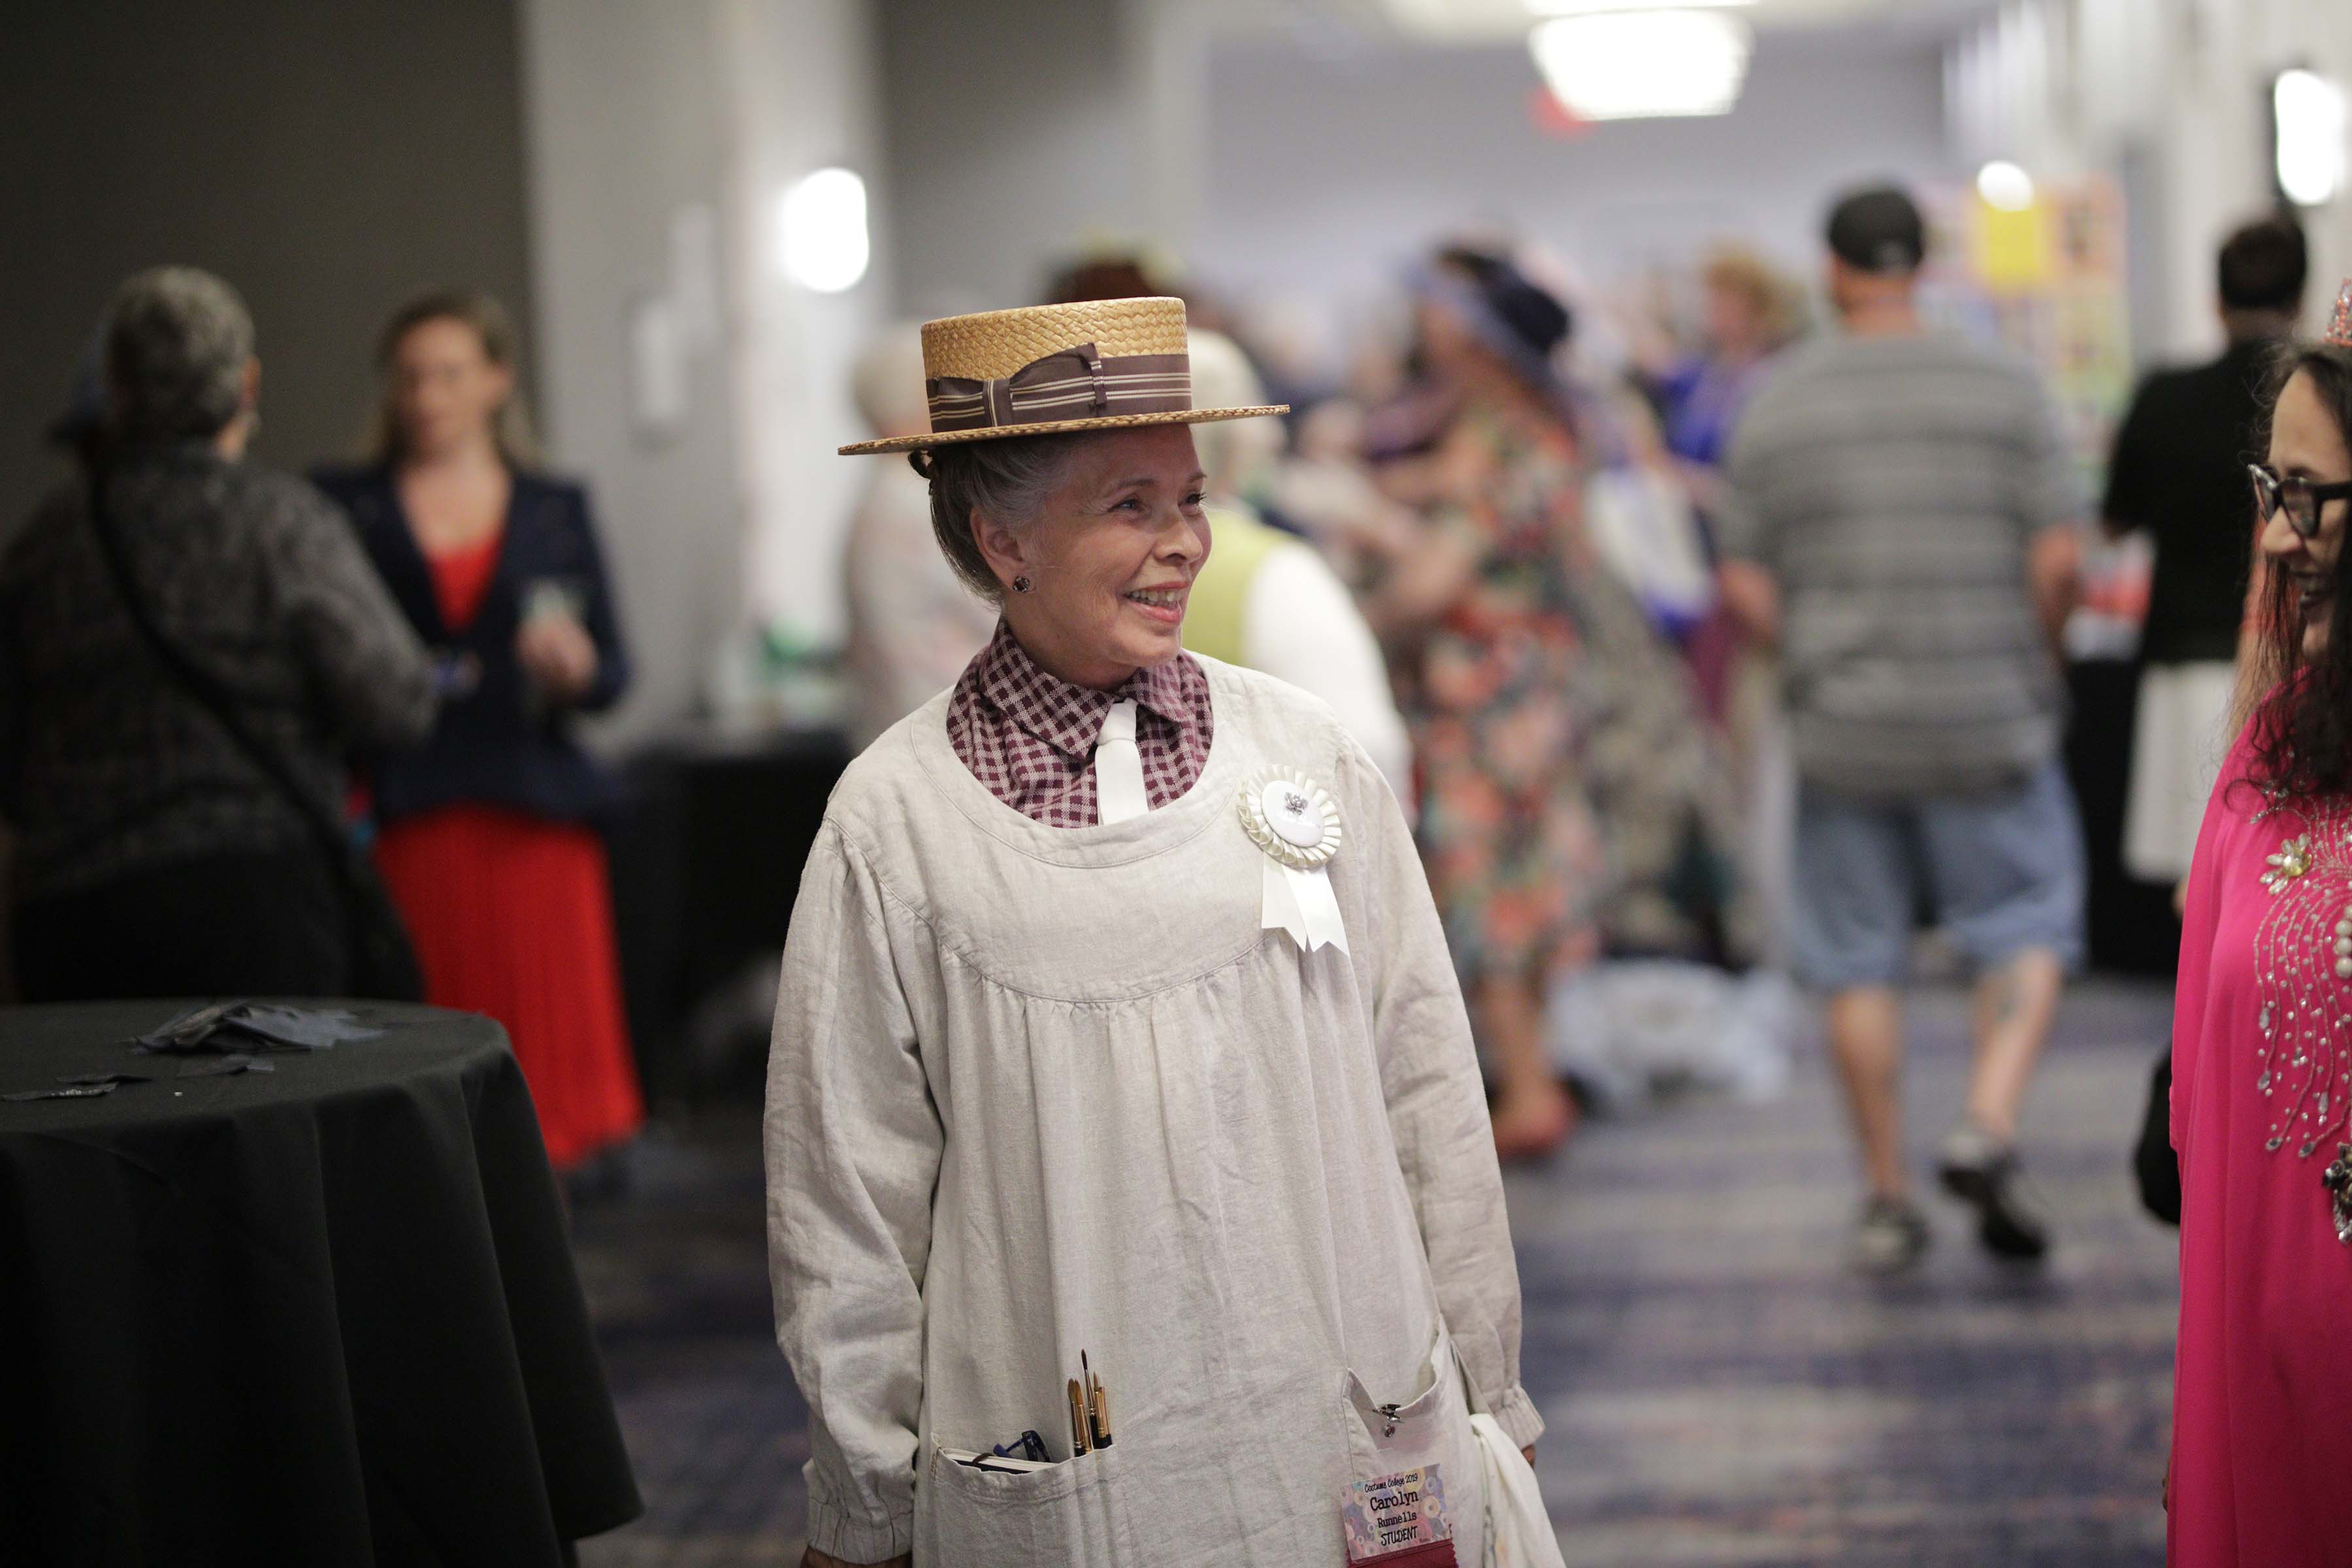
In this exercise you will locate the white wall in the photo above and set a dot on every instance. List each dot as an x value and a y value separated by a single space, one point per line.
1277 167
330 161
1327 175
1023 130
803 95
1005 144
622 134
640 118
2173 90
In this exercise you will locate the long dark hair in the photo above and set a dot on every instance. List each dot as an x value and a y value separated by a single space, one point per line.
2302 736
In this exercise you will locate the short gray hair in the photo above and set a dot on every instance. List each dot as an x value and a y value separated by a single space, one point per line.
1007 479
177 343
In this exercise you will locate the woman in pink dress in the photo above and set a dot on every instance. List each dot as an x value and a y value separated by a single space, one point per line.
2262 1455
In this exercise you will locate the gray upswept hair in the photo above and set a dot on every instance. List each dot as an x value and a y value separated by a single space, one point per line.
177 343
1007 479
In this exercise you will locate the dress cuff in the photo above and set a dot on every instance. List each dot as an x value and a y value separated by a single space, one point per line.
1515 1412
837 1534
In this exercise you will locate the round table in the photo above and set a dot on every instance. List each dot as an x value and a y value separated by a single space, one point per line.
326 1314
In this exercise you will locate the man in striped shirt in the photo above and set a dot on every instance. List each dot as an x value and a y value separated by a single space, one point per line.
1904 526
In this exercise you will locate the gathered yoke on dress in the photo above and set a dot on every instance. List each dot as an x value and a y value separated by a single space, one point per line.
1039 1091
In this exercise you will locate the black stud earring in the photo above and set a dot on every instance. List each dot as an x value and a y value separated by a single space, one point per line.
1022 584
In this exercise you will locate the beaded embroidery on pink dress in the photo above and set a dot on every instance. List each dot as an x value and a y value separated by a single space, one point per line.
2262 1051
2302 956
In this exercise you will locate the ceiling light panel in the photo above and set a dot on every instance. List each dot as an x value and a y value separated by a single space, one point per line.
1644 64
1587 7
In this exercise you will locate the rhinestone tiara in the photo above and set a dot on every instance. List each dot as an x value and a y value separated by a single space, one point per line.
2339 325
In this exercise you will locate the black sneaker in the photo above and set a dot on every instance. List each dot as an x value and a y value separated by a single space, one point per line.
1981 1171
1890 1237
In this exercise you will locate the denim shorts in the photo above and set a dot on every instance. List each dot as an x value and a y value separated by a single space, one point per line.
2000 869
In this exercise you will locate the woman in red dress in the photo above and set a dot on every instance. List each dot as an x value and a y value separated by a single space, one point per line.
487 839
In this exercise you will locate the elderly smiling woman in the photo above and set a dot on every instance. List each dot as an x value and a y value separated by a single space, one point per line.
1121 1097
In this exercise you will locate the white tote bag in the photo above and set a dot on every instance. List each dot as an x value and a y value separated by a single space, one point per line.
1518 1531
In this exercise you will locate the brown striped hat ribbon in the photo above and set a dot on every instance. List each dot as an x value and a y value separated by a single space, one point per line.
1070 384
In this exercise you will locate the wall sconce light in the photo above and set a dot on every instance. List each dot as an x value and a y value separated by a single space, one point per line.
2308 112
821 231
2005 187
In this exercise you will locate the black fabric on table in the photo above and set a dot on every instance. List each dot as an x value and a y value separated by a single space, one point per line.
239 923
696 897
323 1315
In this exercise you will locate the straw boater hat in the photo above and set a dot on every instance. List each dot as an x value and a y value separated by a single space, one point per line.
1101 364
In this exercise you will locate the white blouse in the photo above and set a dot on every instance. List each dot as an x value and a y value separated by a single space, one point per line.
1036 1090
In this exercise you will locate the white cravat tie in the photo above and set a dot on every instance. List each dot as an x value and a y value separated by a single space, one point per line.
1118 767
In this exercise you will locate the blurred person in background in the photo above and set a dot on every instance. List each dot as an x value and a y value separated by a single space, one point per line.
1326 489
157 856
1476 605
1265 598
1749 314
1902 523
488 836
1749 311
1110 271
913 625
2263 1036
2179 472
1638 509
1528 669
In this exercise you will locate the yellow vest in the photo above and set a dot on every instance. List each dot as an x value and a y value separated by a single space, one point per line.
1215 611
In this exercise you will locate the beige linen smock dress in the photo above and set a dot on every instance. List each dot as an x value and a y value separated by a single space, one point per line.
1036 1091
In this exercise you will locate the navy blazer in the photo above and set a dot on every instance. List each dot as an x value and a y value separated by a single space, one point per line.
496 743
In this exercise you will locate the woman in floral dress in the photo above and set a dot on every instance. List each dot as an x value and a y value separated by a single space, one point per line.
1525 665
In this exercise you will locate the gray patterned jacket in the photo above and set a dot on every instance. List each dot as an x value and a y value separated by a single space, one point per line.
106 768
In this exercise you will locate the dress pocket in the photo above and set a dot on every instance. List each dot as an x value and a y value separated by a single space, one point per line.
1414 1475
1070 1515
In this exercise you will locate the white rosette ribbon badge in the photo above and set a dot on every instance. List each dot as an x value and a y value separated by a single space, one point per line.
1295 821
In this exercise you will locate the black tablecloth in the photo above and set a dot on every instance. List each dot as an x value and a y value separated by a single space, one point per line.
706 863
325 1315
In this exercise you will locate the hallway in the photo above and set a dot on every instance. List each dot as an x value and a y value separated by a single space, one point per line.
1718 1391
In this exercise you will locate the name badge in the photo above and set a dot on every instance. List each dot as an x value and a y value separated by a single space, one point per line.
1400 1520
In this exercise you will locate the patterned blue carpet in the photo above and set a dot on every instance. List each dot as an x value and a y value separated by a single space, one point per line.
1718 1391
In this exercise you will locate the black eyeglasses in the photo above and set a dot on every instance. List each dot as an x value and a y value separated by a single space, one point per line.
2301 499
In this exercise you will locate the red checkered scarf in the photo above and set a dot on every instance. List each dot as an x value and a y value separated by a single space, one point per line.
1030 736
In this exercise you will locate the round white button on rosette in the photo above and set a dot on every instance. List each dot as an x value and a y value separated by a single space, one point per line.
1291 817
1295 822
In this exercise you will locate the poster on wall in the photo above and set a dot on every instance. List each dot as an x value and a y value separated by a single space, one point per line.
2045 275
2047 278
